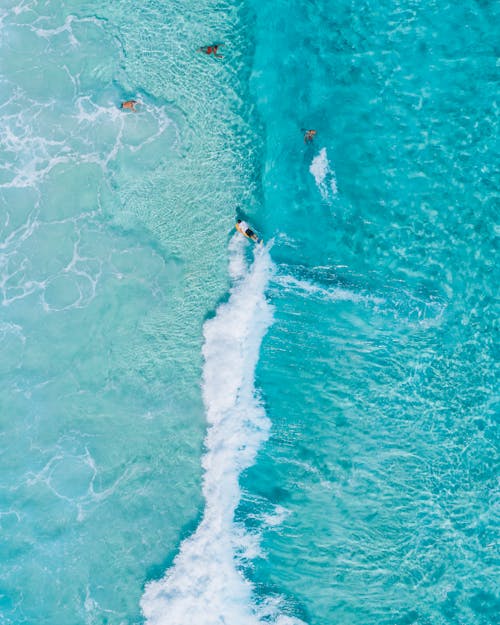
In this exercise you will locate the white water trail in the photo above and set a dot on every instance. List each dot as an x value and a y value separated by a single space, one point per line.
334 294
204 584
324 175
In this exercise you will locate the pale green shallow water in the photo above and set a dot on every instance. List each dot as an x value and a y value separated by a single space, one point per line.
374 496
104 292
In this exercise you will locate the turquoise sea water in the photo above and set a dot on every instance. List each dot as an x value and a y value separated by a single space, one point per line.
347 371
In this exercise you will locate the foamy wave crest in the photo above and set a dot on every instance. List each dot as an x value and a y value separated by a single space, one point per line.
204 585
324 175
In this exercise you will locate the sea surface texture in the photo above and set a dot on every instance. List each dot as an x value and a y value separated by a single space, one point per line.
197 430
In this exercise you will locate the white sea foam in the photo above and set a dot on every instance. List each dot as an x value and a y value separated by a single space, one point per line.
67 27
324 175
396 302
333 294
276 517
28 138
204 585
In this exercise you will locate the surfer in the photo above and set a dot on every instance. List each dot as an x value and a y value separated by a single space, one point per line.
213 49
130 105
309 135
245 229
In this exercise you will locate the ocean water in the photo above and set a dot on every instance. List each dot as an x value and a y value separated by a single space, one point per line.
198 430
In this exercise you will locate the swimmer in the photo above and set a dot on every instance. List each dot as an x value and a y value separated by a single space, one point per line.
130 105
309 135
212 50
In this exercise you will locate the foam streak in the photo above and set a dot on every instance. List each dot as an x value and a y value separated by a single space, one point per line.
324 175
204 586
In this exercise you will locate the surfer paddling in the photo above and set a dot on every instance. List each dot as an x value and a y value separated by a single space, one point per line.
213 49
244 229
129 105
309 135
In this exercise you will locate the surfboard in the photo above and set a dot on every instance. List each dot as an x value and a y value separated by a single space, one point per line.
253 238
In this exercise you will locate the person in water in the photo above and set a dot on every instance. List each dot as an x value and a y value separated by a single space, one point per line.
130 105
309 136
244 228
212 50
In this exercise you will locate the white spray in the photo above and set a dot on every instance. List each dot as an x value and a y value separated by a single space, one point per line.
204 585
324 175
